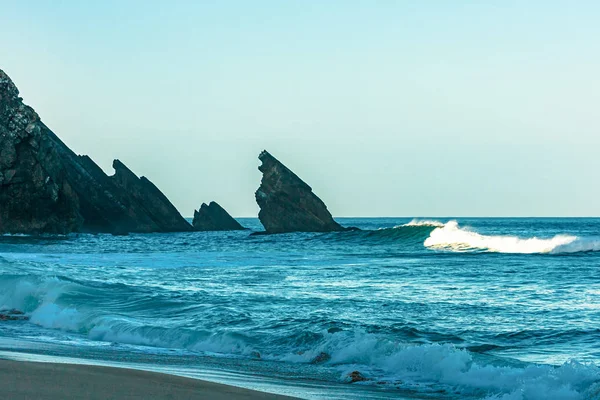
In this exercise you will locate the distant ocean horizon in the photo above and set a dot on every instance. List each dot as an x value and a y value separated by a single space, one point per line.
341 218
426 308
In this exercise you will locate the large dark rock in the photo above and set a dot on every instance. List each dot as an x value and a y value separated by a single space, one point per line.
213 217
35 195
287 204
105 206
47 188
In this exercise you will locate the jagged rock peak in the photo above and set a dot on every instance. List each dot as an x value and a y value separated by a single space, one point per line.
213 217
287 203
8 90
46 188
151 199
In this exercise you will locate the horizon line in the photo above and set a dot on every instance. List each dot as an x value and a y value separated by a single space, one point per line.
446 217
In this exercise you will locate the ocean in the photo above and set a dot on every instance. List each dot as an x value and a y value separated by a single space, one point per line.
435 308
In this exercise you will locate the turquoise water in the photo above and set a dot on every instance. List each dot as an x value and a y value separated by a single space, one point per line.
437 308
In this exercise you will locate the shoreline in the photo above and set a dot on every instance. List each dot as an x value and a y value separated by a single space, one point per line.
263 383
21 380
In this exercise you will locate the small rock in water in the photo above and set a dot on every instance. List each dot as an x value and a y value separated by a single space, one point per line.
13 315
321 358
255 354
356 376
213 217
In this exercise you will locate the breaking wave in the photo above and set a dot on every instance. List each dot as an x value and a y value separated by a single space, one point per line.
451 236
66 305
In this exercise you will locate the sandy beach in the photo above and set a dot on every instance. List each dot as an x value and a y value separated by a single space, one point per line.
33 380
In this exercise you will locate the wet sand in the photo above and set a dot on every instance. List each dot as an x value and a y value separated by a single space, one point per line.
22 380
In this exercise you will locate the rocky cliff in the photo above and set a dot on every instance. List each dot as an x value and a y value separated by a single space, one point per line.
35 194
287 203
213 217
47 188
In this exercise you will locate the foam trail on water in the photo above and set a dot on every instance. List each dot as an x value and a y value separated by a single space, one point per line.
452 237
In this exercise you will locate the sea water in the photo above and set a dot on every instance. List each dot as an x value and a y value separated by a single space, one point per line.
436 308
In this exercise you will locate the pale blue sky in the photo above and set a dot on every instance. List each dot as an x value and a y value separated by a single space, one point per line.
386 108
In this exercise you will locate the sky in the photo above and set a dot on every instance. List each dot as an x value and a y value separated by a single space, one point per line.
386 108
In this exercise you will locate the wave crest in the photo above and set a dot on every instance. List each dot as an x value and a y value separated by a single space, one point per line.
451 236
423 222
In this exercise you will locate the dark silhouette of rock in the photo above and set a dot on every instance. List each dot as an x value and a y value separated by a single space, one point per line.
104 205
47 188
162 212
356 376
322 357
13 315
213 217
35 195
287 204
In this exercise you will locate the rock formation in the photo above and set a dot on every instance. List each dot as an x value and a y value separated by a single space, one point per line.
287 204
13 315
35 195
355 376
213 217
155 204
47 188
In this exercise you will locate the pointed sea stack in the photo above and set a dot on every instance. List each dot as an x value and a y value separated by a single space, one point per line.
151 199
46 188
287 203
213 217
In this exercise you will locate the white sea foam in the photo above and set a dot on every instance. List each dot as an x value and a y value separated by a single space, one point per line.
447 367
443 368
450 236
423 222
